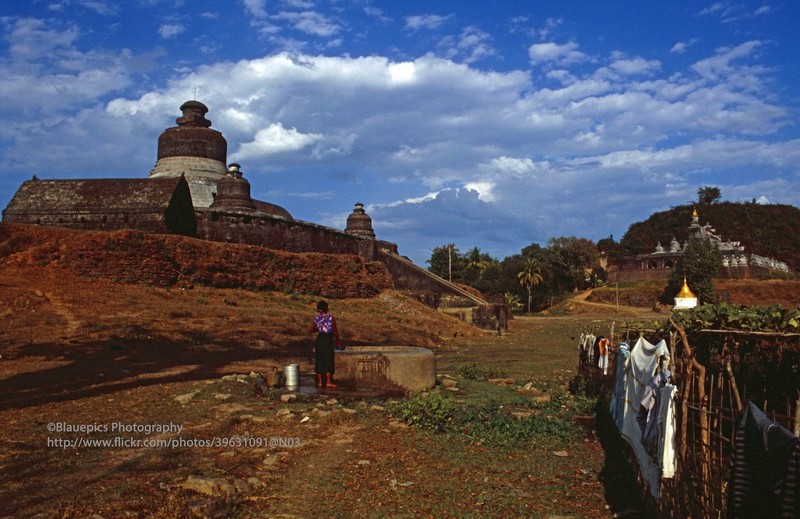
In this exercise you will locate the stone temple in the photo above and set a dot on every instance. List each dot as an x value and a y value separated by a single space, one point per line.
736 263
192 191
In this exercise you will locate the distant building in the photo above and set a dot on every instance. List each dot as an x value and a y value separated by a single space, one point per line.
658 265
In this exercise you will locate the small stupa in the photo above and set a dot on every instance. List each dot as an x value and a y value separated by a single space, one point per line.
685 298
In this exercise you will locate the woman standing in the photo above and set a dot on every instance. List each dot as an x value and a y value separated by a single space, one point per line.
327 338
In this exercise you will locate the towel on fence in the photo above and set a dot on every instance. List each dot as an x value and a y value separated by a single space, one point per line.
617 406
649 412
640 370
666 431
764 468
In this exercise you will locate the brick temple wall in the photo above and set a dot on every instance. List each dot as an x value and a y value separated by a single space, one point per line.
278 233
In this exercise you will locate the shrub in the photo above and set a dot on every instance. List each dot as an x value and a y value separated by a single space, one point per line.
430 411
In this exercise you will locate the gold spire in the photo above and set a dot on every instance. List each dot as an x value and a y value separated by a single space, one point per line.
694 213
685 293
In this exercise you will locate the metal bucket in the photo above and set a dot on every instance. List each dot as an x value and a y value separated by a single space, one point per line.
273 378
291 376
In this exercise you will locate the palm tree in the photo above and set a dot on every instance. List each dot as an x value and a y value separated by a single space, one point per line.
530 277
475 264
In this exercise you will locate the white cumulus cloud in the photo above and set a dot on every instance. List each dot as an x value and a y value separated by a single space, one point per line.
275 139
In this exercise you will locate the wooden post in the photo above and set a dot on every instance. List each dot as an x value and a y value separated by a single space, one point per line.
733 385
705 469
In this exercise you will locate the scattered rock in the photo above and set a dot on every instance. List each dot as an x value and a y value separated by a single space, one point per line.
536 395
288 397
214 487
561 454
377 408
363 462
541 398
271 460
222 396
448 382
331 401
502 381
283 412
184 398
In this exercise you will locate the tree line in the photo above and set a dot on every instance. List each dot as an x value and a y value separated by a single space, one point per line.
535 278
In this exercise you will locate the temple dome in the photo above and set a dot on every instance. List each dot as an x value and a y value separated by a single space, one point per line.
195 150
233 191
359 223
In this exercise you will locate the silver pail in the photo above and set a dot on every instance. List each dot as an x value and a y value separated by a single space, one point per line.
291 376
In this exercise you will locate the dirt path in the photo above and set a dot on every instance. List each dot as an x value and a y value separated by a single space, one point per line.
579 304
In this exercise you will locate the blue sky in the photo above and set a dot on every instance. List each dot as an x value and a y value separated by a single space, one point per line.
489 124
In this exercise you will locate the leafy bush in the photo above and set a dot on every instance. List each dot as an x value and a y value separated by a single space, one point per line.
431 411
737 317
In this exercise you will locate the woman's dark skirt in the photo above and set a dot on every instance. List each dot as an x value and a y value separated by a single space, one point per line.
323 358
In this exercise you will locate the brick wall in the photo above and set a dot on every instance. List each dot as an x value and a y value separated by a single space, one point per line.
169 260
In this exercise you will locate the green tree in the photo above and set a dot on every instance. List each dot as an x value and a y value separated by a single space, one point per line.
573 258
513 301
490 281
447 262
708 195
700 265
530 276
475 265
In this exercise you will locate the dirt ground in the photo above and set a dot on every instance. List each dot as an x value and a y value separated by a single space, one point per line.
86 361
134 401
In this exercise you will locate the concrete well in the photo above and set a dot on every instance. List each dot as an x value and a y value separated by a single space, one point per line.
386 367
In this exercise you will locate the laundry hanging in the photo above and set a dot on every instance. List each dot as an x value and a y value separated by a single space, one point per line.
645 388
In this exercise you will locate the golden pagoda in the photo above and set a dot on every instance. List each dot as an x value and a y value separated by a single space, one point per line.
685 298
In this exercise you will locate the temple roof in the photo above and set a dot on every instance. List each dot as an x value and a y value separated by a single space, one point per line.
93 196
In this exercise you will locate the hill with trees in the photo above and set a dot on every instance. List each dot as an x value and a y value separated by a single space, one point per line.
539 277
765 229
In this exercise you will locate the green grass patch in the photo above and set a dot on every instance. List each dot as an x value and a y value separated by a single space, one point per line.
473 371
498 416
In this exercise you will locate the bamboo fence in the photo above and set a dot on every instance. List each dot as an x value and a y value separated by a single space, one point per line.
716 371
